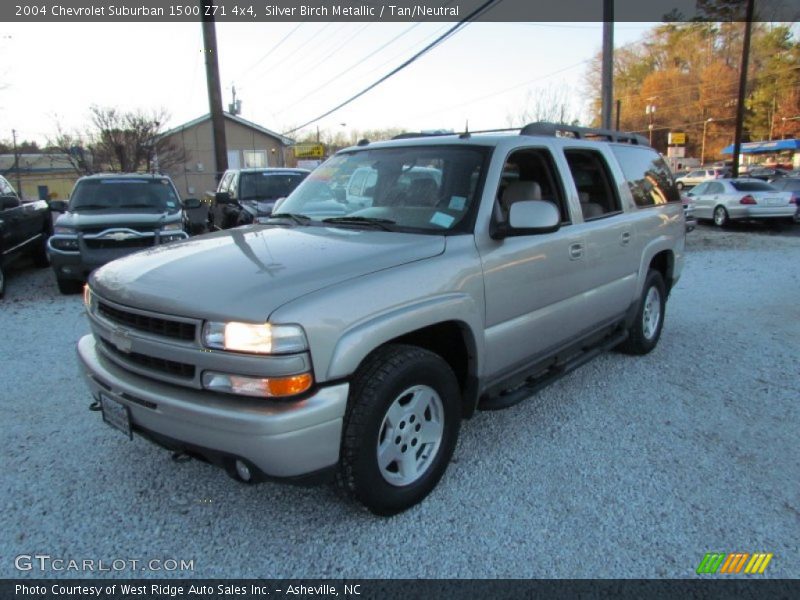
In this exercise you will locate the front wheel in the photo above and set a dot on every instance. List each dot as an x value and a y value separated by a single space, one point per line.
646 330
400 429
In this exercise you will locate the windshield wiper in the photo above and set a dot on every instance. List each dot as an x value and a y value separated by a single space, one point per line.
355 220
296 217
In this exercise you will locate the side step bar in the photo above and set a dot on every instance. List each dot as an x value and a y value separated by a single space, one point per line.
509 398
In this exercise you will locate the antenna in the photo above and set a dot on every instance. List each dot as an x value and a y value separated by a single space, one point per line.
466 134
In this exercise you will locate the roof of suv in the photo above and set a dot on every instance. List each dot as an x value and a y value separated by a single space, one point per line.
271 170
125 176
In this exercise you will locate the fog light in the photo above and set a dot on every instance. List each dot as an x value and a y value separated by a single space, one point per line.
243 471
262 387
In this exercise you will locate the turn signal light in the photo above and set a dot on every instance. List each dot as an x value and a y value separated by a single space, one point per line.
263 387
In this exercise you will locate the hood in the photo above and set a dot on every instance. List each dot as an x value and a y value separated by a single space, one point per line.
247 272
95 220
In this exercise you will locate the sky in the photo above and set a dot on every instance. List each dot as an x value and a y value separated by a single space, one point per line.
286 74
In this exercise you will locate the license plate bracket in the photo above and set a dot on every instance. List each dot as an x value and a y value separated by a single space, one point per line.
116 414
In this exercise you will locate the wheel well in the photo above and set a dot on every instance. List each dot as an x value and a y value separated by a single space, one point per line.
454 343
664 263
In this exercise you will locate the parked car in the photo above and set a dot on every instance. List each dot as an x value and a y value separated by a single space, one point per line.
696 176
24 229
109 216
790 184
767 174
726 200
345 342
246 196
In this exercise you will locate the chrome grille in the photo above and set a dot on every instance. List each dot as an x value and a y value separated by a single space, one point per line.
171 367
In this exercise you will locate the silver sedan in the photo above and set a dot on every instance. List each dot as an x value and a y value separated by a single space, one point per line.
724 200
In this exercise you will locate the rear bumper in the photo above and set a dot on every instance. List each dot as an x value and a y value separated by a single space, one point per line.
762 212
280 439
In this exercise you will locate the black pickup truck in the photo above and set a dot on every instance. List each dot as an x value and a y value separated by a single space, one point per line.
24 229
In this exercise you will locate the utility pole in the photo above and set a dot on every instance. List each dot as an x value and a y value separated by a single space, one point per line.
607 85
619 110
737 138
214 90
16 163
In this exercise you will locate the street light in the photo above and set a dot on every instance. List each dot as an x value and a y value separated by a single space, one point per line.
703 145
650 110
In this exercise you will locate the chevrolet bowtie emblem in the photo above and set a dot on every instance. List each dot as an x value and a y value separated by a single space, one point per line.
119 236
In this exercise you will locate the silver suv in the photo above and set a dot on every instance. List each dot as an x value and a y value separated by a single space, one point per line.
351 339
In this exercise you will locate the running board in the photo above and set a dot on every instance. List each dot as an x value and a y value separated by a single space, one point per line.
509 398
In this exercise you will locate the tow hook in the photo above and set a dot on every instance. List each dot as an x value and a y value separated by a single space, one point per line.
181 457
95 406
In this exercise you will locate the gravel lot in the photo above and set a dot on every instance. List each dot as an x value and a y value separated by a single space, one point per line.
626 468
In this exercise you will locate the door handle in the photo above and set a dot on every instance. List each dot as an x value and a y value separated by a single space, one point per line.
625 238
575 251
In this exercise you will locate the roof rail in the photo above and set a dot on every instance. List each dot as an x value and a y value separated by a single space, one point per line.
582 133
418 134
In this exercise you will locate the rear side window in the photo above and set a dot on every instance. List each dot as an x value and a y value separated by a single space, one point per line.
594 183
648 176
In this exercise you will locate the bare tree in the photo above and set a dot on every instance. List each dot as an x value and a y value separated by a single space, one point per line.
118 141
552 103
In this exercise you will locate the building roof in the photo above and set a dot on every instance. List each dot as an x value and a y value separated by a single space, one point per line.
237 119
36 163
763 147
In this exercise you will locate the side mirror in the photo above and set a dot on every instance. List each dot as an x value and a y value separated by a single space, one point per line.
191 203
529 217
58 206
223 198
9 201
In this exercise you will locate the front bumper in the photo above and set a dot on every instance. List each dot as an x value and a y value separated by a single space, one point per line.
281 439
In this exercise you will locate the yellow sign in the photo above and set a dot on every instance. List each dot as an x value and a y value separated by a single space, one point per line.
309 151
677 137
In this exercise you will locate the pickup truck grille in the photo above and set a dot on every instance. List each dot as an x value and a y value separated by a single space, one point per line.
158 326
110 244
170 367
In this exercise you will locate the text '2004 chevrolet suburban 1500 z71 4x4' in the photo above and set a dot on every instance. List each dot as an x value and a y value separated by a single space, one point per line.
350 340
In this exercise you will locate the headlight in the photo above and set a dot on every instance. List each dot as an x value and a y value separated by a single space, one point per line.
64 230
257 338
88 298
176 226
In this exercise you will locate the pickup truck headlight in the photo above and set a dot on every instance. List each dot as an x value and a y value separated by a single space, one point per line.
256 338
64 230
176 226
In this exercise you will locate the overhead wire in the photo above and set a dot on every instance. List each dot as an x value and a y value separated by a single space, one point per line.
449 33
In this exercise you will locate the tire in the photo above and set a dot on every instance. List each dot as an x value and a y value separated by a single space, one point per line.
68 286
2 282
721 218
646 330
679 185
398 395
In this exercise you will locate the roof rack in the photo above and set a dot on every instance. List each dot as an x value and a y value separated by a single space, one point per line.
582 133
417 134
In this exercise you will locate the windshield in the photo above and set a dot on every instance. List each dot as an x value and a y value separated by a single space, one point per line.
753 186
265 185
426 188
145 195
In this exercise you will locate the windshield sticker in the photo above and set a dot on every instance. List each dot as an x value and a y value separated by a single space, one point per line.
457 203
170 204
442 220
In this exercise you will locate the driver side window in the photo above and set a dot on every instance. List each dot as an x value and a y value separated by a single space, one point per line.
530 174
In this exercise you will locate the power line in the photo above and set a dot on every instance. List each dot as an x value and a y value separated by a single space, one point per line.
271 50
450 32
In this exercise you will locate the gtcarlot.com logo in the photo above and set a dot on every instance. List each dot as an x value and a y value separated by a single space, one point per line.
46 563
726 564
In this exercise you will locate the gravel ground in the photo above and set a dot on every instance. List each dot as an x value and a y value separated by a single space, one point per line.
628 467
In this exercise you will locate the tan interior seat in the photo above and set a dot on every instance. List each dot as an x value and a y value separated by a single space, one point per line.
589 209
520 190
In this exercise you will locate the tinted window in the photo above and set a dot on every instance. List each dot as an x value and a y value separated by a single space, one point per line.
130 194
753 186
267 186
648 176
593 182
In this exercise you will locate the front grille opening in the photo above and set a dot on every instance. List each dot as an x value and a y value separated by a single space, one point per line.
109 244
170 367
163 327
